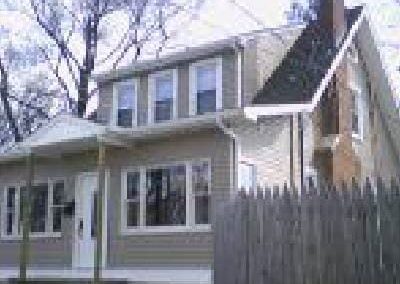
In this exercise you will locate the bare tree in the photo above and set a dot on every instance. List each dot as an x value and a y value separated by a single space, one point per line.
67 22
24 96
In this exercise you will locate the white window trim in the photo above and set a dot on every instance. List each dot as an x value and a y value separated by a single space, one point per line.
358 136
49 222
190 225
114 113
152 94
193 83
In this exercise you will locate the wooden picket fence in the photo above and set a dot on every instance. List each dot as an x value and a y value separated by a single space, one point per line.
324 234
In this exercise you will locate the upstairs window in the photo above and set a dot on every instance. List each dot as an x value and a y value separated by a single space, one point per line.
163 89
126 103
206 82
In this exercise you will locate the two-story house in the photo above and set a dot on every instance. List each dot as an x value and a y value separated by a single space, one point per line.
184 131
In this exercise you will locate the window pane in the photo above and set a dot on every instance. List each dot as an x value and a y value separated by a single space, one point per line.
11 198
202 204
93 227
126 108
163 100
166 196
355 118
201 191
206 78
206 101
39 207
125 117
57 219
132 214
58 193
21 207
133 186
10 218
125 95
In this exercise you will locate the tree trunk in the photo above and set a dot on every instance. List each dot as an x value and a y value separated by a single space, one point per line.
83 92
6 104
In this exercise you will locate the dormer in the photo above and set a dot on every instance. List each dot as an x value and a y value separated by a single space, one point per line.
196 82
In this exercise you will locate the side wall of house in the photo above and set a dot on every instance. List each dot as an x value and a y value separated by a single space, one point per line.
385 118
267 146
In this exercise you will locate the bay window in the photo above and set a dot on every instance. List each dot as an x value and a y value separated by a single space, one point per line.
169 196
46 202
125 103
206 86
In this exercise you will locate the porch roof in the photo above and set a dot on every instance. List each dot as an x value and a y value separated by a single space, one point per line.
68 134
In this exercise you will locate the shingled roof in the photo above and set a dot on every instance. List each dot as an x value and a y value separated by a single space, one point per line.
302 69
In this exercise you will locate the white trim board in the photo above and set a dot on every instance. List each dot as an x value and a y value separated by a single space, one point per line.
158 275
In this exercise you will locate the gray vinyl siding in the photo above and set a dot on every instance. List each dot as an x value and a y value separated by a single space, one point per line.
166 248
229 81
44 252
142 100
229 90
104 110
183 91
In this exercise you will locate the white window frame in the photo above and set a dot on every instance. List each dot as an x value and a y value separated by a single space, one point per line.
217 61
49 221
190 225
358 93
192 220
115 107
152 94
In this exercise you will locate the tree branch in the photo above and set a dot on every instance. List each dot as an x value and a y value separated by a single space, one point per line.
63 47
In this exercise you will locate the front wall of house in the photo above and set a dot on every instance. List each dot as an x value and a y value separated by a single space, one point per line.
143 249
187 248
44 251
229 90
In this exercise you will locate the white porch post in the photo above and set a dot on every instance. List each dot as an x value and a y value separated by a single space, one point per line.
101 193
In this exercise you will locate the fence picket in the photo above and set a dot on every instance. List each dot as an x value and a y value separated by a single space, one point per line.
325 234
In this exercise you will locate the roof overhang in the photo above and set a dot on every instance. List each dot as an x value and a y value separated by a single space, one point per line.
257 110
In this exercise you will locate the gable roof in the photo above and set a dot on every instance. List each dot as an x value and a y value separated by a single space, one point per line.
300 73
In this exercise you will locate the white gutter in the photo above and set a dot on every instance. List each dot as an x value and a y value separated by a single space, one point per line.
252 112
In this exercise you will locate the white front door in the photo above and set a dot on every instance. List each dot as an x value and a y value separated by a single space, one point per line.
85 220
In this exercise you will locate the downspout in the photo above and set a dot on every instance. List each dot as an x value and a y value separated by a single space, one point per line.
291 145
301 148
234 157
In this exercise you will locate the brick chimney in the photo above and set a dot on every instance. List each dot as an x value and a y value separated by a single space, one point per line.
331 15
339 163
